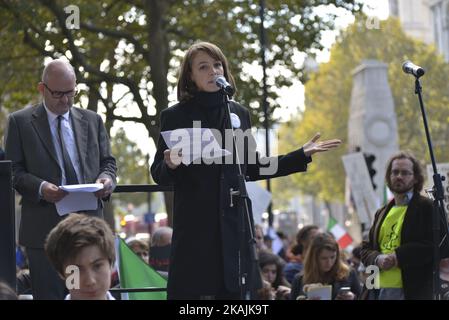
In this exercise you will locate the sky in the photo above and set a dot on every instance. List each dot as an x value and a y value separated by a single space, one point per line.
292 100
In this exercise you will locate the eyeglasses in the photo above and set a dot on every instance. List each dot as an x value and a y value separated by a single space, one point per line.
403 173
59 94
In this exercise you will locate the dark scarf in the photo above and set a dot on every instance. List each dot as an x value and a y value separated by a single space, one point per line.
211 104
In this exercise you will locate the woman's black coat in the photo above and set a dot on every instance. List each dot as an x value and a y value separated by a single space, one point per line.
206 238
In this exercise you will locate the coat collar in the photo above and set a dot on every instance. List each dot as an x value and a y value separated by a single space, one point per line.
79 126
40 124
194 110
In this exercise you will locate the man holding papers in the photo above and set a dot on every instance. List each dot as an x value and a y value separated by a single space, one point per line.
53 144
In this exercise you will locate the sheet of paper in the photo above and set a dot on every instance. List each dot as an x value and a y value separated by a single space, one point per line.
322 292
260 199
80 197
89 187
194 143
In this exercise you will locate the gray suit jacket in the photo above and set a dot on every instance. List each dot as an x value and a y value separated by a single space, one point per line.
29 146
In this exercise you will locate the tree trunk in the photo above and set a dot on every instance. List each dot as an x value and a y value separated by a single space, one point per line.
158 58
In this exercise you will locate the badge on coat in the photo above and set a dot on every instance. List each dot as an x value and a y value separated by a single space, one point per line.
235 120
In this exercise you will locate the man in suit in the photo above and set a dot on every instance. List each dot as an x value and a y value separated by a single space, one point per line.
53 144
401 238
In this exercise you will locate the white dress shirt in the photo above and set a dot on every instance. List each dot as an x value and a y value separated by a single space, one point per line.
69 141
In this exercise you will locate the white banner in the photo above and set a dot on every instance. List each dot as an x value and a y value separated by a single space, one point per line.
260 200
362 190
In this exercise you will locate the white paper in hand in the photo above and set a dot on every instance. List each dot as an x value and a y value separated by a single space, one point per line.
80 197
194 143
89 187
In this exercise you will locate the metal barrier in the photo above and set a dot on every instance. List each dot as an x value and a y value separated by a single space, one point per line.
146 289
142 188
7 226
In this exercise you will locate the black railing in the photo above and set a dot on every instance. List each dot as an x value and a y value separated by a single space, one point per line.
142 188
146 289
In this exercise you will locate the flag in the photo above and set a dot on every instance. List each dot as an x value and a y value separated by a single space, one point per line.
343 238
135 273
388 195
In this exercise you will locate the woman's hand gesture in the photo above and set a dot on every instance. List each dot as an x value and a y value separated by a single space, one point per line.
313 146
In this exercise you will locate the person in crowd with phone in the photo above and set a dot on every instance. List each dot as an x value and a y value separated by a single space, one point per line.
323 265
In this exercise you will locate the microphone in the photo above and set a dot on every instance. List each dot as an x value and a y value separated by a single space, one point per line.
409 67
224 85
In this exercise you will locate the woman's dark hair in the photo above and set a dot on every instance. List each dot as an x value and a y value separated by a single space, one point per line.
303 238
186 87
312 271
268 258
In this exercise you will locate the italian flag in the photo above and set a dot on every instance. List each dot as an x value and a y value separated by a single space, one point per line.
343 238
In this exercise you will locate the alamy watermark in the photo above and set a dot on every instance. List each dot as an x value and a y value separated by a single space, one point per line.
72 280
372 23
199 145
73 20
373 280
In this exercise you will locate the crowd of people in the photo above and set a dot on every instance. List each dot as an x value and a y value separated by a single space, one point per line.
88 243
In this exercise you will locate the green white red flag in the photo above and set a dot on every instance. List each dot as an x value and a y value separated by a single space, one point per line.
343 238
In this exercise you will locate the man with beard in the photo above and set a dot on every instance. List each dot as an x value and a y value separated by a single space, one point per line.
53 144
401 238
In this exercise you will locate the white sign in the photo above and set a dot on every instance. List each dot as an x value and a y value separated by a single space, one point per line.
80 197
443 170
362 190
260 199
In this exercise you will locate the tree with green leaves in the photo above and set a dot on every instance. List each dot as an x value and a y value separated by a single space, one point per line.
133 168
328 96
126 52
136 46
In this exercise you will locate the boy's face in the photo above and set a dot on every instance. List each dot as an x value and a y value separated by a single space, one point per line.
94 273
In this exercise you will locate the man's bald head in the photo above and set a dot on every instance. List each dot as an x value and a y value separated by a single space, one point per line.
58 86
58 68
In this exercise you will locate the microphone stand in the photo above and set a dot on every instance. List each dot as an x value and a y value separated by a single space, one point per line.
439 213
247 271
